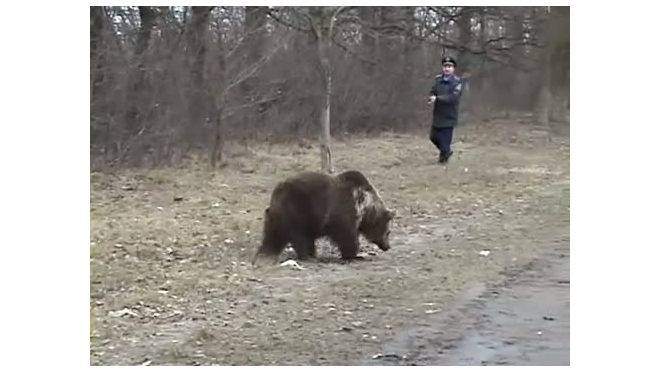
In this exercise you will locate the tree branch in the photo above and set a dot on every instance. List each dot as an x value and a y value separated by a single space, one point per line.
372 62
232 110
280 20
251 70
334 18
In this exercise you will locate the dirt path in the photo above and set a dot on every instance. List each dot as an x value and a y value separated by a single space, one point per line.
171 285
523 321
526 324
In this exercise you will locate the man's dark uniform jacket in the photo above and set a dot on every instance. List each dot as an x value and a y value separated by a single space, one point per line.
447 91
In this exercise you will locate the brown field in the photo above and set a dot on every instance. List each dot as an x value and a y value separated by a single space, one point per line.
170 248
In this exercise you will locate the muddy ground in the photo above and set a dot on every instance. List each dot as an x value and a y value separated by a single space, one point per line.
480 256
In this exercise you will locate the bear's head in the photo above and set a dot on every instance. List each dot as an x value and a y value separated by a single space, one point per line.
375 227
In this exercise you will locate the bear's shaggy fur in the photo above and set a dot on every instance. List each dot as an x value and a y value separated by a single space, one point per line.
311 205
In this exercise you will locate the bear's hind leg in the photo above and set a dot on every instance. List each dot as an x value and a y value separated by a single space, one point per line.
273 241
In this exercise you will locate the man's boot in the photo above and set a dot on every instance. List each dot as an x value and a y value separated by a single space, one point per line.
444 157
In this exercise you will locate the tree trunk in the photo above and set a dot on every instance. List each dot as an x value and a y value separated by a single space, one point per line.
326 150
481 82
407 81
391 53
465 38
516 32
254 44
198 99
545 96
147 22
465 35
220 93
369 19
96 25
218 136
255 31
554 36
322 27
97 103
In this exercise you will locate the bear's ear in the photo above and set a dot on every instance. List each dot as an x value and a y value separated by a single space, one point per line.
391 214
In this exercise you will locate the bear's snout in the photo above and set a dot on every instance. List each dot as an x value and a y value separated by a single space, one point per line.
384 246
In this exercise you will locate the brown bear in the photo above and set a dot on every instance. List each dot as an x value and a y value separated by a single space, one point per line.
312 205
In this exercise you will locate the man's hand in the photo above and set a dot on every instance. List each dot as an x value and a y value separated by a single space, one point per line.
431 99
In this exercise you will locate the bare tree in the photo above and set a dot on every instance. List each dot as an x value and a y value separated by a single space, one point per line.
220 81
239 76
321 23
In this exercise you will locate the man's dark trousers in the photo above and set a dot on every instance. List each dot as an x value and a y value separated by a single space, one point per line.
441 137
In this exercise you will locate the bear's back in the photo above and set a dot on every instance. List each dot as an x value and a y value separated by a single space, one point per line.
305 199
353 179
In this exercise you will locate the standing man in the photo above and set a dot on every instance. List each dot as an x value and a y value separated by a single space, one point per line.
446 94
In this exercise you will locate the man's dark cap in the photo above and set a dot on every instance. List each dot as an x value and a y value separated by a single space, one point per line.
448 60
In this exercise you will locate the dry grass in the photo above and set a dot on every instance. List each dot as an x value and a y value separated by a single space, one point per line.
170 246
